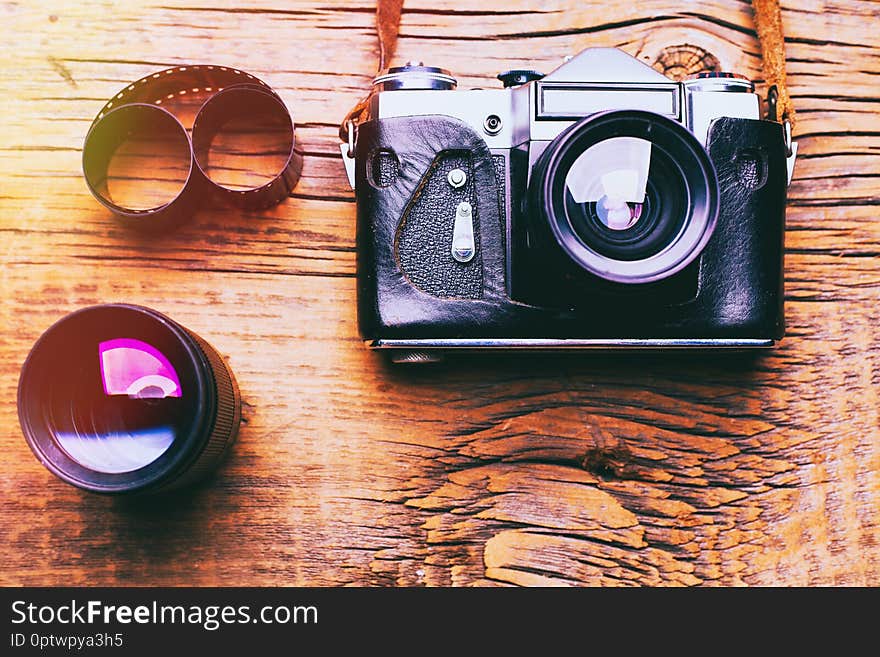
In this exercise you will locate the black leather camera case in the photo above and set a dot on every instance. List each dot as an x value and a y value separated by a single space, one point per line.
409 287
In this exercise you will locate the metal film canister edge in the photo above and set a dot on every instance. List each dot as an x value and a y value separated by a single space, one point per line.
241 100
101 142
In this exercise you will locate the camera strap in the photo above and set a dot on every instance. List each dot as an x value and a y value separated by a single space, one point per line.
387 28
768 22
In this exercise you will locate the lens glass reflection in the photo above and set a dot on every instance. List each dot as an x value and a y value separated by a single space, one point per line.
625 198
117 405
612 178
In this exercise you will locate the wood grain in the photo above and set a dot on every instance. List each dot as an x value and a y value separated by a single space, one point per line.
612 469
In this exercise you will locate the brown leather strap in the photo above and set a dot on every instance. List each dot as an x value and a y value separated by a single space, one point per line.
768 20
387 28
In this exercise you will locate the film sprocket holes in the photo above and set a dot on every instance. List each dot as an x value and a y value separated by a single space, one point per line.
120 399
151 120
600 206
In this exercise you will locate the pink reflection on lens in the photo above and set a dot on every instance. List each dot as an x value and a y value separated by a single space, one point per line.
137 369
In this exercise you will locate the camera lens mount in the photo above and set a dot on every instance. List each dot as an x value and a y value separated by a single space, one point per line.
630 196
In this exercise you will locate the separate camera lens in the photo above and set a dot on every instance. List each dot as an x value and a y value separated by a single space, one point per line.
629 195
121 399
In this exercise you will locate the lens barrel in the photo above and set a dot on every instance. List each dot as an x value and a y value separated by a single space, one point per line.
629 196
120 399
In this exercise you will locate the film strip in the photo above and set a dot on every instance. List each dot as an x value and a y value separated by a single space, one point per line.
150 106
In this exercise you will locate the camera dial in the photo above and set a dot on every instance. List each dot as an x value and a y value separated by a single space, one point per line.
719 81
516 77
415 75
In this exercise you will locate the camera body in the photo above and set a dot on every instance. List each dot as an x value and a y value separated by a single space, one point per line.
599 206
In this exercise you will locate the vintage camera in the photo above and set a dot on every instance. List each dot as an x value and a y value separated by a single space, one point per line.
599 206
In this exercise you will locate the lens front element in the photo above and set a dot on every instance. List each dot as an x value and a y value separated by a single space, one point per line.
124 418
630 196
612 176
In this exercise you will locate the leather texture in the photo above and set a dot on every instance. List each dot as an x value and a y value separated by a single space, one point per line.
739 291
424 240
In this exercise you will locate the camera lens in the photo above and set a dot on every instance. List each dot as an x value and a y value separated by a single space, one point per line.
121 399
630 196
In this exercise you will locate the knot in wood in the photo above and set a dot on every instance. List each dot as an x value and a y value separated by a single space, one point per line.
607 462
681 61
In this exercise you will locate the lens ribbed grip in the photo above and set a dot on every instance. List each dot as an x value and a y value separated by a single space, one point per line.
226 422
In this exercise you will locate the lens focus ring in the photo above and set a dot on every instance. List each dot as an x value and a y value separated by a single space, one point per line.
226 420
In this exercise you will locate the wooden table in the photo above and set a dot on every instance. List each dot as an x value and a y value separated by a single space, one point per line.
601 469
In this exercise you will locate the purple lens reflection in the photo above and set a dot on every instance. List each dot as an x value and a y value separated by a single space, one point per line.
136 369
